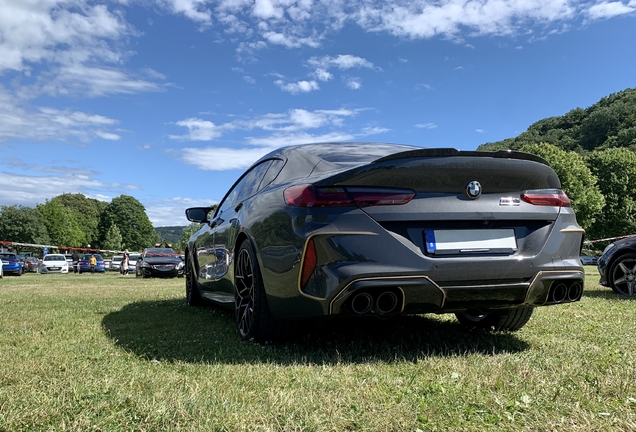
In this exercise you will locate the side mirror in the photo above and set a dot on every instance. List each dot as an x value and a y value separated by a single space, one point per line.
198 214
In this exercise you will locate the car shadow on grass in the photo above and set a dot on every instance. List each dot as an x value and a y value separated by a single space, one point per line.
172 331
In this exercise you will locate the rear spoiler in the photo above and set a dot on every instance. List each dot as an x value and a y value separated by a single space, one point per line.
446 152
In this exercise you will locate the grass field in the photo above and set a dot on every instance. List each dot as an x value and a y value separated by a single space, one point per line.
114 353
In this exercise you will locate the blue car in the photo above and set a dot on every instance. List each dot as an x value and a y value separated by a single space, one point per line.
11 263
84 264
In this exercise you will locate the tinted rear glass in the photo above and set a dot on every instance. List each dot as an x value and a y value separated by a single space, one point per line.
350 152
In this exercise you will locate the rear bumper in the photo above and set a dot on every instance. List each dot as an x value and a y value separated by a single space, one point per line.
419 294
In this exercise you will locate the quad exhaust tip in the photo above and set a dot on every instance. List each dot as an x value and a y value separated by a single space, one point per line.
570 291
361 303
383 303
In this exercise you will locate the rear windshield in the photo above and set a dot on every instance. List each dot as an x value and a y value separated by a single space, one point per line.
118 258
54 258
350 152
8 255
98 257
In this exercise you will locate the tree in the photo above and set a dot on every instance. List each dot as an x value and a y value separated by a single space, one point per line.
576 180
22 225
185 236
616 172
112 241
87 211
61 224
130 217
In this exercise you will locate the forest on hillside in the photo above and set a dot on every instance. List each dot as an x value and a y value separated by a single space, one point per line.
593 150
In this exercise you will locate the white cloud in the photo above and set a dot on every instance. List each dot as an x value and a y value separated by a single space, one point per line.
193 9
280 129
18 122
298 87
171 212
199 130
426 125
30 190
354 83
342 61
608 9
249 79
220 158
480 130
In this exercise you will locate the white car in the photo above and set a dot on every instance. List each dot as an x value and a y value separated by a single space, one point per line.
115 263
54 263
588 260
132 262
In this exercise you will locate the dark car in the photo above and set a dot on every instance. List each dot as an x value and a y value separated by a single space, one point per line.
364 229
159 262
31 264
11 264
617 266
85 266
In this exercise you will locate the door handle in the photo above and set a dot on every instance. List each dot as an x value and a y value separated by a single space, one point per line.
238 207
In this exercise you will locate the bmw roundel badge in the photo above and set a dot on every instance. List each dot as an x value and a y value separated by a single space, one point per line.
473 189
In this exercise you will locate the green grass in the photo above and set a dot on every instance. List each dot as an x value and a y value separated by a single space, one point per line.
107 352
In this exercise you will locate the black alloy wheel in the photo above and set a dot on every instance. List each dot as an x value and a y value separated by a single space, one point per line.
253 317
245 297
193 297
497 320
622 275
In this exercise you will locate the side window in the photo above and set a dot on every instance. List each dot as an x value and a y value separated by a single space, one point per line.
252 180
271 173
230 199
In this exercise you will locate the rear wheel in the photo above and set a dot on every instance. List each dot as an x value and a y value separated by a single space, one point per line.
498 320
622 275
193 297
253 317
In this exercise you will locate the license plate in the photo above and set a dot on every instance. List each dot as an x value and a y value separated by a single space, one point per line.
449 242
54 268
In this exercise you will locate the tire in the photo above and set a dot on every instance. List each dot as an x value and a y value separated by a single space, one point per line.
622 275
254 320
193 296
497 320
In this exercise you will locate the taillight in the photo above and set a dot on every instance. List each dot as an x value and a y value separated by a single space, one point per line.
553 197
311 196
309 263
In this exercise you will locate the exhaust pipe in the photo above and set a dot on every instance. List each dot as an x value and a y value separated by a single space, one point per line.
361 303
386 302
559 292
575 291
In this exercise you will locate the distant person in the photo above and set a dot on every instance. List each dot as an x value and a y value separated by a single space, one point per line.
76 259
92 261
124 263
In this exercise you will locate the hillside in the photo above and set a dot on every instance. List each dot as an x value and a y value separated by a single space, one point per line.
609 123
171 234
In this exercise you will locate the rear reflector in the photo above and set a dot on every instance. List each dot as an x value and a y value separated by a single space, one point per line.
309 263
311 196
551 197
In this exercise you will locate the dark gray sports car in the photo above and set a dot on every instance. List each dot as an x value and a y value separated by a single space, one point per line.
359 229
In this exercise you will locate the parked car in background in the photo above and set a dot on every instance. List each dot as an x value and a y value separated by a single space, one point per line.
132 261
1 271
159 262
115 263
588 260
11 264
366 229
84 264
54 263
31 264
107 263
617 266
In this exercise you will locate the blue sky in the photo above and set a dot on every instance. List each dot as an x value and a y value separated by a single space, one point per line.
170 100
